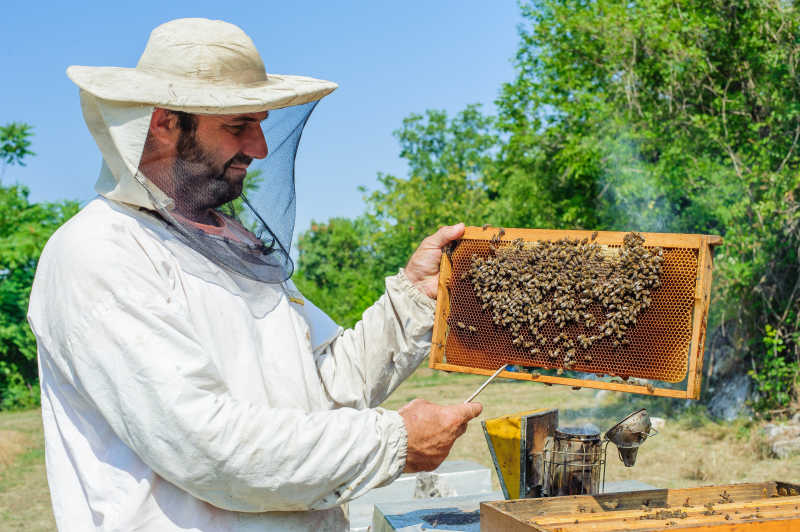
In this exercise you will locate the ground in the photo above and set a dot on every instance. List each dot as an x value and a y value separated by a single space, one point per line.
24 497
689 451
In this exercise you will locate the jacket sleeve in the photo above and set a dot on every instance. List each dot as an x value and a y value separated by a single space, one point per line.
361 366
117 329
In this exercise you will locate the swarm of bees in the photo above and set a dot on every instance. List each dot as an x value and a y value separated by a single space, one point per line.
566 283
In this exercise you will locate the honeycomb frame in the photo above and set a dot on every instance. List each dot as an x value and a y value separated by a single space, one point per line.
666 346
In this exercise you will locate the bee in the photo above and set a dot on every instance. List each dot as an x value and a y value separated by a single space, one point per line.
559 371
650 387
594 235
461 325
485 227
472 329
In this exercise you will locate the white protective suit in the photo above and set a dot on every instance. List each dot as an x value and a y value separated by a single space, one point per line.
172 400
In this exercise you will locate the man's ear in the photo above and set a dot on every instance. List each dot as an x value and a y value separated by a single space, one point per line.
164 127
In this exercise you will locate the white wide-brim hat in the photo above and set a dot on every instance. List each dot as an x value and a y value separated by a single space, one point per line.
200 66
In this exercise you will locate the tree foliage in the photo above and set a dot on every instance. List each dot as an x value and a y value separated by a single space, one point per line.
338 270
342 263
24 229
669 116
15 143
656 115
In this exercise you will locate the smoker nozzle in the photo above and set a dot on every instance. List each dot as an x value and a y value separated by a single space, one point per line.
629 434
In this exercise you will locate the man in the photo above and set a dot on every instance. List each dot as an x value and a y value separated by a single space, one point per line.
186 385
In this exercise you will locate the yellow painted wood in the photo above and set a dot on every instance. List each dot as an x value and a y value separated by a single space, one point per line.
506 435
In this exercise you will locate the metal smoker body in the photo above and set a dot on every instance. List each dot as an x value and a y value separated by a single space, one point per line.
534 457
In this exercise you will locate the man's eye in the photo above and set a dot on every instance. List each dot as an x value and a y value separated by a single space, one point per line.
236 130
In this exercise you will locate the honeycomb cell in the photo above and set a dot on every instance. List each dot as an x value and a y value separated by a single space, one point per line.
659 342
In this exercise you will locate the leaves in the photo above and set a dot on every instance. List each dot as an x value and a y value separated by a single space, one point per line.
342 264
651 115
14 143
24 230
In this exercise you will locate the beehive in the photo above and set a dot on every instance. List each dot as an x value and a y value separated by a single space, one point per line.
758 506
666 344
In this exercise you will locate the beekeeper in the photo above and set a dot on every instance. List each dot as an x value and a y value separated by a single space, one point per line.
186 384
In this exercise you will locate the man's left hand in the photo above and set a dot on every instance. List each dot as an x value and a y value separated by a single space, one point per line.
423 266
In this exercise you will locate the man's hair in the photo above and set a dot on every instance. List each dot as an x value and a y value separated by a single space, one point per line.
188 125
186 121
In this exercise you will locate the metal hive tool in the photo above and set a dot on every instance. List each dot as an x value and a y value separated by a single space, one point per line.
666 344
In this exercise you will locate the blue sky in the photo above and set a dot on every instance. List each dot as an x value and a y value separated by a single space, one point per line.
389 59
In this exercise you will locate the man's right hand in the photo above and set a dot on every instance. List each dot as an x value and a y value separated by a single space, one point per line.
432 430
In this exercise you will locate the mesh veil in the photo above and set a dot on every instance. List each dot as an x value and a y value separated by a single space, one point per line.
251 234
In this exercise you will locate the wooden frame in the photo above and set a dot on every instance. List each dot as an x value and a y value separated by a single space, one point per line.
702 243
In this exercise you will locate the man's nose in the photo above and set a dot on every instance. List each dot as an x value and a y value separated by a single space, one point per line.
255 144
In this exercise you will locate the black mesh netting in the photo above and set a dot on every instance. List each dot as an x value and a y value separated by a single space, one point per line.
252 234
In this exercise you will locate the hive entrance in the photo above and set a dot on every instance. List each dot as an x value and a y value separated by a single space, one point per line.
657 347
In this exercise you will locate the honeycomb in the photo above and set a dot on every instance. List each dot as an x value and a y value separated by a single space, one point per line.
659 343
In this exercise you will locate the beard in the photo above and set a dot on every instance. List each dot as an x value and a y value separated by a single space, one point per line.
200 183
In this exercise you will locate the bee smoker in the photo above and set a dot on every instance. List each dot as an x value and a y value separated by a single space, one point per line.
534 457
574 462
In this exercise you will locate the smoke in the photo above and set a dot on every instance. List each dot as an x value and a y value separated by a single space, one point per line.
632 193
587 429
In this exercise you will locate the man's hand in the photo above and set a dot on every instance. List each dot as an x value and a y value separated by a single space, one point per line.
423 266
432 430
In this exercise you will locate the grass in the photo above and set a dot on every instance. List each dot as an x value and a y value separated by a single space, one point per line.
24 495
691 450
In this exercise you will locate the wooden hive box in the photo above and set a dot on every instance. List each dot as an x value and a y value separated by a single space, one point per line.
757 507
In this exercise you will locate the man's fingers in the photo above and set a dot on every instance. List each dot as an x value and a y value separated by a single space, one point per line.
468 411
445 234
475 409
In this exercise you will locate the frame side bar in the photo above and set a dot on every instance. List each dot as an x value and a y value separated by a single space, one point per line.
439 338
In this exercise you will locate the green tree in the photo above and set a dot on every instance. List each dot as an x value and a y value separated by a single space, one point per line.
24 229
448 160
664 115
654 115
342 264
14 143
338 270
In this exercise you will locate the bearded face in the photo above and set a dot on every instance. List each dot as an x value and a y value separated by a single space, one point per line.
203 181
208 154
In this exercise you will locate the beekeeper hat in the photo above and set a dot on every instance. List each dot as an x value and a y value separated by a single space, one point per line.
200 66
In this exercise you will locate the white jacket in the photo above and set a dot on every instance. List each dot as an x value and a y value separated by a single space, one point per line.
173 403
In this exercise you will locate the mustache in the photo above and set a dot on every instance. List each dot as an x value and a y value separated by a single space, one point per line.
240 158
